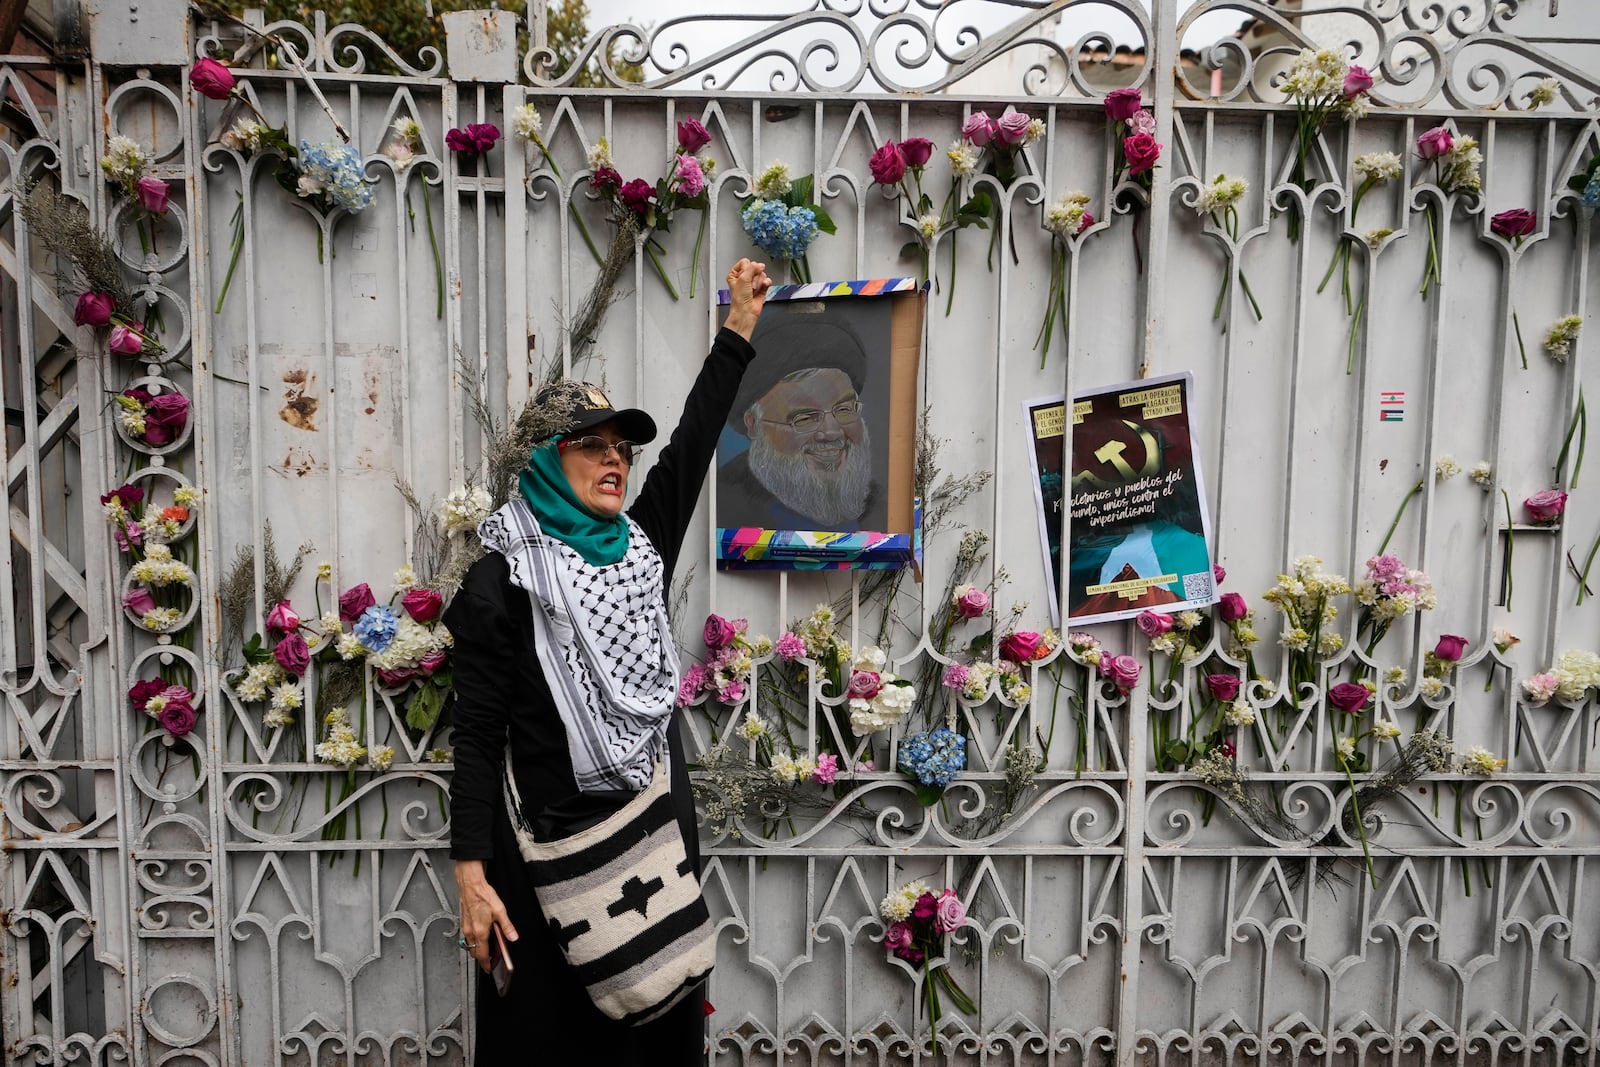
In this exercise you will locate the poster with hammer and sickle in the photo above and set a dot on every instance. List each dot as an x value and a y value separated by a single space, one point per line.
1136 528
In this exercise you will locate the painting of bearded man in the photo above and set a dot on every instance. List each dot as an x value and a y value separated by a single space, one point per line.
805 447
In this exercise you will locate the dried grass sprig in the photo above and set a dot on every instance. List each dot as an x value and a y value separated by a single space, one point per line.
731 790
236 594
585 326
62 225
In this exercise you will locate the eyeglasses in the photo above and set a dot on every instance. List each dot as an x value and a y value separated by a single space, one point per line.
595 449
845 413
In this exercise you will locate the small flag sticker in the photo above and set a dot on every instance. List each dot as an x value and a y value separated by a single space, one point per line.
1392 406
1391 415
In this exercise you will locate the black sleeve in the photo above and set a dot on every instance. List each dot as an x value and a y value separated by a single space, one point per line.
666 503
481 672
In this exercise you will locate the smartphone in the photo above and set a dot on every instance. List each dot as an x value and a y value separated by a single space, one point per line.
500 966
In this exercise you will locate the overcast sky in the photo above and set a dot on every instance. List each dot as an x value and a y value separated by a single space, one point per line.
1206 29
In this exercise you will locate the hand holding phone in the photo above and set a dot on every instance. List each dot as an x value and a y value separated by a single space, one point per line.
500 966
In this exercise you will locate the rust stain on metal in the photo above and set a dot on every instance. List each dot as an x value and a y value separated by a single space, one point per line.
299 406
298 462
372 392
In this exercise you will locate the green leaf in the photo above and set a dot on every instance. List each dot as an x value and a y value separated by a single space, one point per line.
929 795
1578 182
824 221
255 651
800 192
910 249
423 710
980 204
1178 751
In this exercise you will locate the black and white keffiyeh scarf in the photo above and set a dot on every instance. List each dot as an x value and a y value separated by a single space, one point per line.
603 641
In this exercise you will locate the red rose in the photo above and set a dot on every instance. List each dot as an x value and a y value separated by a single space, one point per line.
1141 151
1122 104
1450 647
916 151
692 135
1222 686
94 309
282 619
177 718
292 654
423 605
165 417
433 661
1517 222
718 632
355 600
605 180
211 79
143 690
888 166
637 195
1232 607
1348 696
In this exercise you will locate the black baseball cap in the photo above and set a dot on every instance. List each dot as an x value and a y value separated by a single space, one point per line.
591 407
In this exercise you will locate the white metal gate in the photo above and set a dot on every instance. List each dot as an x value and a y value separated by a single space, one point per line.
225 898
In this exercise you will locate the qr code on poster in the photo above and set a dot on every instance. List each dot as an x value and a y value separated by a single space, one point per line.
1197 586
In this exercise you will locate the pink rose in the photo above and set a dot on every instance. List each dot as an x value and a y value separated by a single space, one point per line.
433 661
1141 151
1517 222
888 166
1218 573
292 654
1143 121
282 619
979 128
177 718
94 309
141 692
1546 505
864 685
718 632
898 936
211 79
127 339
636 196
1435 143
691 179
972 602
827 769
139 600
951 914
916 151
165 417
153 193
1232 607
355 600
1122 671
396 678
1021 646
1450 647
1153 623
605 180
1011 129
1356 81
1348 696
423 605
692 135
1222 686
1122 104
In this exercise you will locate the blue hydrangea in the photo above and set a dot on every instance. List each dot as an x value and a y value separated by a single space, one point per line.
934 758
337 167
779 230
377 627
1591 192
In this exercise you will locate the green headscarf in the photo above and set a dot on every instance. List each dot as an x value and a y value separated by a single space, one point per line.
544 484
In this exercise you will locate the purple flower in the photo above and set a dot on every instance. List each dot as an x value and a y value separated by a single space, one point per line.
423 605
141 692
950 914
1122 104
916 151
718 632
864 685
476 139
955 676
691 179
1222 686
1232 607
1153 623
127 339
282 619
636 196
211 79
355 600
1518 222
152 193
692 136
1122 670
1218 573
165 417
979 128
888 166
898 936
433 661
292 654
1435 142
94 309
139 600
971 602
1011 129
1356 81
605 180
1450 647
1348 696
178 717
1546 505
